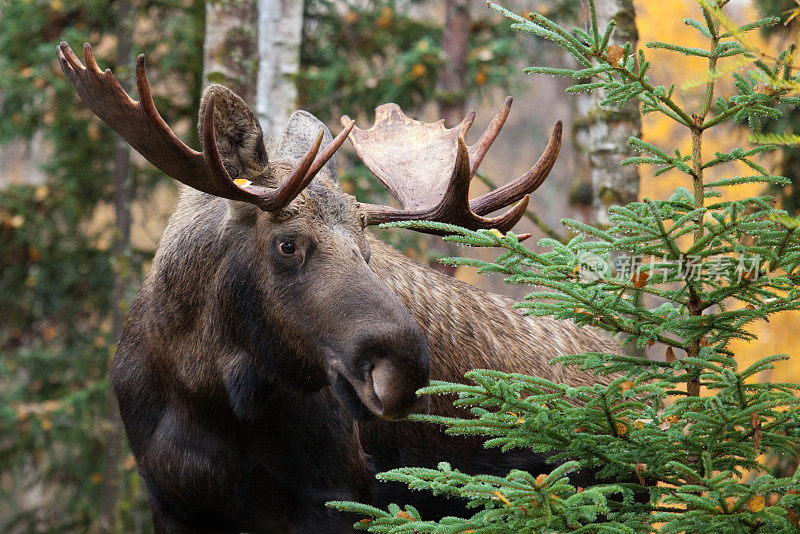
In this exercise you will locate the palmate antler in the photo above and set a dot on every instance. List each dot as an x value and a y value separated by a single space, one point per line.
428 169
140 124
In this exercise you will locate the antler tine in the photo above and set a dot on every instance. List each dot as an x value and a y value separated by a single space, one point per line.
427 168
148 107
454 205
331 149
525 184
137 122
308 167
465 123
479 149
140 124
300 178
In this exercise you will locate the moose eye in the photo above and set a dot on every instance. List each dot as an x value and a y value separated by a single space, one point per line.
287 248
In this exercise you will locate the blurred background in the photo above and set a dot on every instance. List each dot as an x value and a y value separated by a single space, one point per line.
81 214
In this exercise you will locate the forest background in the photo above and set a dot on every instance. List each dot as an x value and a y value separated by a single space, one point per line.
80 214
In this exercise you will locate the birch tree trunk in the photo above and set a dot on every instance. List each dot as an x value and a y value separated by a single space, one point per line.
253 47
602 133
280 28
451 92
451 96
230 52
113 448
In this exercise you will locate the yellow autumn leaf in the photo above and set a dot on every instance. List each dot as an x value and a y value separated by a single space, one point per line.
418 70
34 253
40 193
503 498
615 53
93 131
496 232
756 503
51 405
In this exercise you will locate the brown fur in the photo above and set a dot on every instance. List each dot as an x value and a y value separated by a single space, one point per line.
483 329
240 376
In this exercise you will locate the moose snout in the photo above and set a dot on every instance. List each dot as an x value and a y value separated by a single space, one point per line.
395 390
382 371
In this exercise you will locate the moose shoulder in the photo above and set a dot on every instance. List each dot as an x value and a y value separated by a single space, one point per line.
275 343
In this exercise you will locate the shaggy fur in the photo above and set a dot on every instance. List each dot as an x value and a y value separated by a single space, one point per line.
247 381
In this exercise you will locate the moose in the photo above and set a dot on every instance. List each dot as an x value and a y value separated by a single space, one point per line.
275 345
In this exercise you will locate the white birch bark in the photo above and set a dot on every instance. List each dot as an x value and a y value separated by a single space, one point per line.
21 162
280 30
603 132
230 52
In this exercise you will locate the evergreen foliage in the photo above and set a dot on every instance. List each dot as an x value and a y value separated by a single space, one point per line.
789 11
56 265
357 56
692 430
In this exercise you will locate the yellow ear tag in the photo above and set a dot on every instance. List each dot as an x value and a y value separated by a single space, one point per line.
242 182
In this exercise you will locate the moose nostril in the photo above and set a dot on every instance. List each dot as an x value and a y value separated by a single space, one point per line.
382 381
395 394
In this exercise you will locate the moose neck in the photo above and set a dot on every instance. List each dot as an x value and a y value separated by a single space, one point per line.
468 328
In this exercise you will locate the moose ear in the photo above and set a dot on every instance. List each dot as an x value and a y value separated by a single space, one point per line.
240 140
298 135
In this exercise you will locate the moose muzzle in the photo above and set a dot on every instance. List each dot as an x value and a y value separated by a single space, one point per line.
382 371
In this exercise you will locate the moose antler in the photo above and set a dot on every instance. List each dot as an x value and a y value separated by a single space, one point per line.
140 124
428 169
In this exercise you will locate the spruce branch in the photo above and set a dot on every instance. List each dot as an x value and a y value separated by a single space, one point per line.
708 268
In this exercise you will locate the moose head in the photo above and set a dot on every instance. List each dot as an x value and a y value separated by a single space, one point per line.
309 247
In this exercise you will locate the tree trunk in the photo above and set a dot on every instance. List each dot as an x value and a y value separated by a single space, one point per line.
230 52
602 133
253 47
280 27
451 91
109 518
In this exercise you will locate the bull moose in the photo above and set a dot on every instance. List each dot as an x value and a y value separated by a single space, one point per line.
275 342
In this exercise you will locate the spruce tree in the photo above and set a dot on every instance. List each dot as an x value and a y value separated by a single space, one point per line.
693 431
